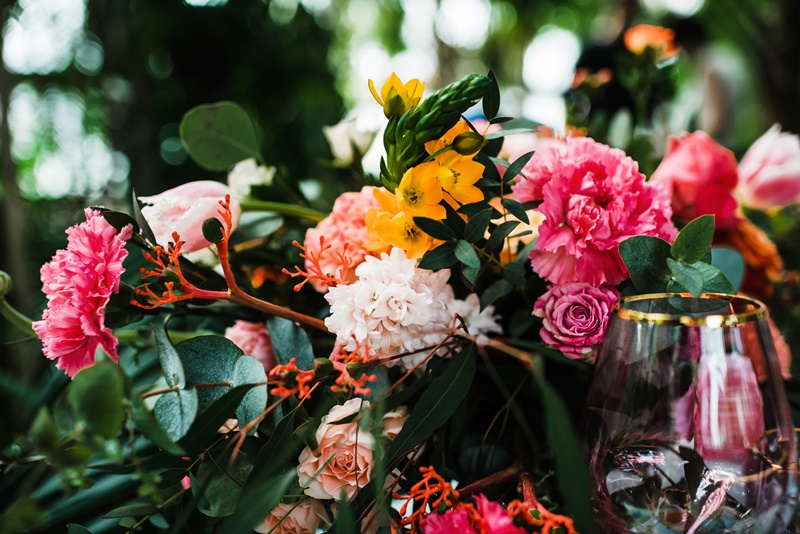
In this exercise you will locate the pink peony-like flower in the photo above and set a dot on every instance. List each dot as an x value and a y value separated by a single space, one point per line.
496 519
593 197
700 176
304 518
343 457
183 209
78 283
769 173
575 317
253 339
345 224
450 522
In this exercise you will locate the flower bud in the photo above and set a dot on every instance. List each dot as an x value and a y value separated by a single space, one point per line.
212 230
468 143
322 367
5 283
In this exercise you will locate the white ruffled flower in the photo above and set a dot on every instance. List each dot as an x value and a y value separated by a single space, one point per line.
246 174
479 323
394 307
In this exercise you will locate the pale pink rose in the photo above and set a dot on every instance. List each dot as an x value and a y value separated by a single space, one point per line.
253 339
451 522
305 518
345 224
496 517
78 283
183 209
593 197
700 176
393 421
769 173
575 317
345 448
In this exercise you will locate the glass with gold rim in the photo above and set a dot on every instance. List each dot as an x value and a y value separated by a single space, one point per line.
686 424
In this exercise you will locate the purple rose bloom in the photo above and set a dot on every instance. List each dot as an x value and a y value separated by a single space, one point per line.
575 317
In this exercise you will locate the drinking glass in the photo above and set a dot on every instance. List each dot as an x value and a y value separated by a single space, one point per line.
686 425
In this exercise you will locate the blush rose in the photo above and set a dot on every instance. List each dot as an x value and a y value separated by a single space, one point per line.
769 173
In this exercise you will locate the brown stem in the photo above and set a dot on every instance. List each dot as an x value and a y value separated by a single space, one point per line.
501 477
176 388
240 297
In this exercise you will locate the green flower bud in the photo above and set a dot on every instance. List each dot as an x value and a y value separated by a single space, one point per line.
468 143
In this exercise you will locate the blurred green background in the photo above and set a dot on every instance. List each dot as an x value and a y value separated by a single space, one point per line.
92 92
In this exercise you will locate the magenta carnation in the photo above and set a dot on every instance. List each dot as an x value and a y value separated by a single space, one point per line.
575 317
593 197
451 522
78 283
345 224
495 517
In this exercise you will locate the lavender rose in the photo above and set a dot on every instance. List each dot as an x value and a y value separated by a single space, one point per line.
575 317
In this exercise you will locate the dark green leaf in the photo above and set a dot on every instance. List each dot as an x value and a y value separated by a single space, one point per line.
516 209
170 361
714 280
694 240
516 167
686 276
489 170
470 275
213 231
221 484
251 509
290 341
467 255
441 257
501 120
44 432
435 229
491 100
498 289
147 232
477 224
514 273
275 453
147 423
437 403
646 259
454 220
208 422
571 470
120 220
345 520
217 136
96 396
159 521
138 509
175 411
498 235
73 528
730 262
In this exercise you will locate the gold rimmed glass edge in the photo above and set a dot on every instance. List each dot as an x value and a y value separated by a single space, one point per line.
712 319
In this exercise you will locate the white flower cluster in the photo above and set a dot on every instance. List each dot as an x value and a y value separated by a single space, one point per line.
396 308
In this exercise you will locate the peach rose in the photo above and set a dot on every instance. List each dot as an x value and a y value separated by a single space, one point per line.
769 173
183 209
700 176
286 518
393 421
343 461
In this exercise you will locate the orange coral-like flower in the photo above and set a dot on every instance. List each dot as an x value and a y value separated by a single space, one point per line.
642 36
292 380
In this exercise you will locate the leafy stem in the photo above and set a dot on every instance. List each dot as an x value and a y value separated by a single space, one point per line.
291 210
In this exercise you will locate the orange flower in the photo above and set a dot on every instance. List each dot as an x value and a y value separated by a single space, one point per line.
642 36
763 264
420 192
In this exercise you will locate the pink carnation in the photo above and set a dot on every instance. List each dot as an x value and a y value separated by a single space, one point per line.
253 339
700 176
769 173
451 522
495 517
575 317
345 224
593 197
78 283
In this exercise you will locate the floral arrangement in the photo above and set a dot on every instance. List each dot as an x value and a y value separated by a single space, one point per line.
387 366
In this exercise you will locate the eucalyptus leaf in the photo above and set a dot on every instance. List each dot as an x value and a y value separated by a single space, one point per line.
440 257
146 421
207 423
96 395
222 484
217 136
646 260
290 341
514 273
689 277
175 411
730 262
714 280
694 240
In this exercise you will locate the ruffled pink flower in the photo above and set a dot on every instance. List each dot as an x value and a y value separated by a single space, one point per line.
496 517
253 339
575 317
769 173
183 209
593 197
451 522
700 176
345 224
78 283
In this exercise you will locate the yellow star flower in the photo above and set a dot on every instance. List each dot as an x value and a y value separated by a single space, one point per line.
396 97
458 179
420 192
401 232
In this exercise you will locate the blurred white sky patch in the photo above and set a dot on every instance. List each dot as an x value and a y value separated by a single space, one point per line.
548 68
684 8
464 23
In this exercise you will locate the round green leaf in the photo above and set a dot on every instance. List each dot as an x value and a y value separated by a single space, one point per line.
175 411
96 396
219 135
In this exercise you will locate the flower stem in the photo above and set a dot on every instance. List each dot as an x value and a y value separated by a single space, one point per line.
141 334
291 210
15 317
240 297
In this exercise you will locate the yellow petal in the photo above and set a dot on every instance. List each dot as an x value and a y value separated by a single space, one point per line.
375 93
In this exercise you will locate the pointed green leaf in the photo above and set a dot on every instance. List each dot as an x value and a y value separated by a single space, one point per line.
467 255
516 209
491 100
686 276
250 511
498 235
497 290
74 528
516 167
477 224
646 260
170 361
120 220
440 257
290 341
514 273
694 240
96 395
217 136
730 262
175 411
147 232
138 509
714 280
435 229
